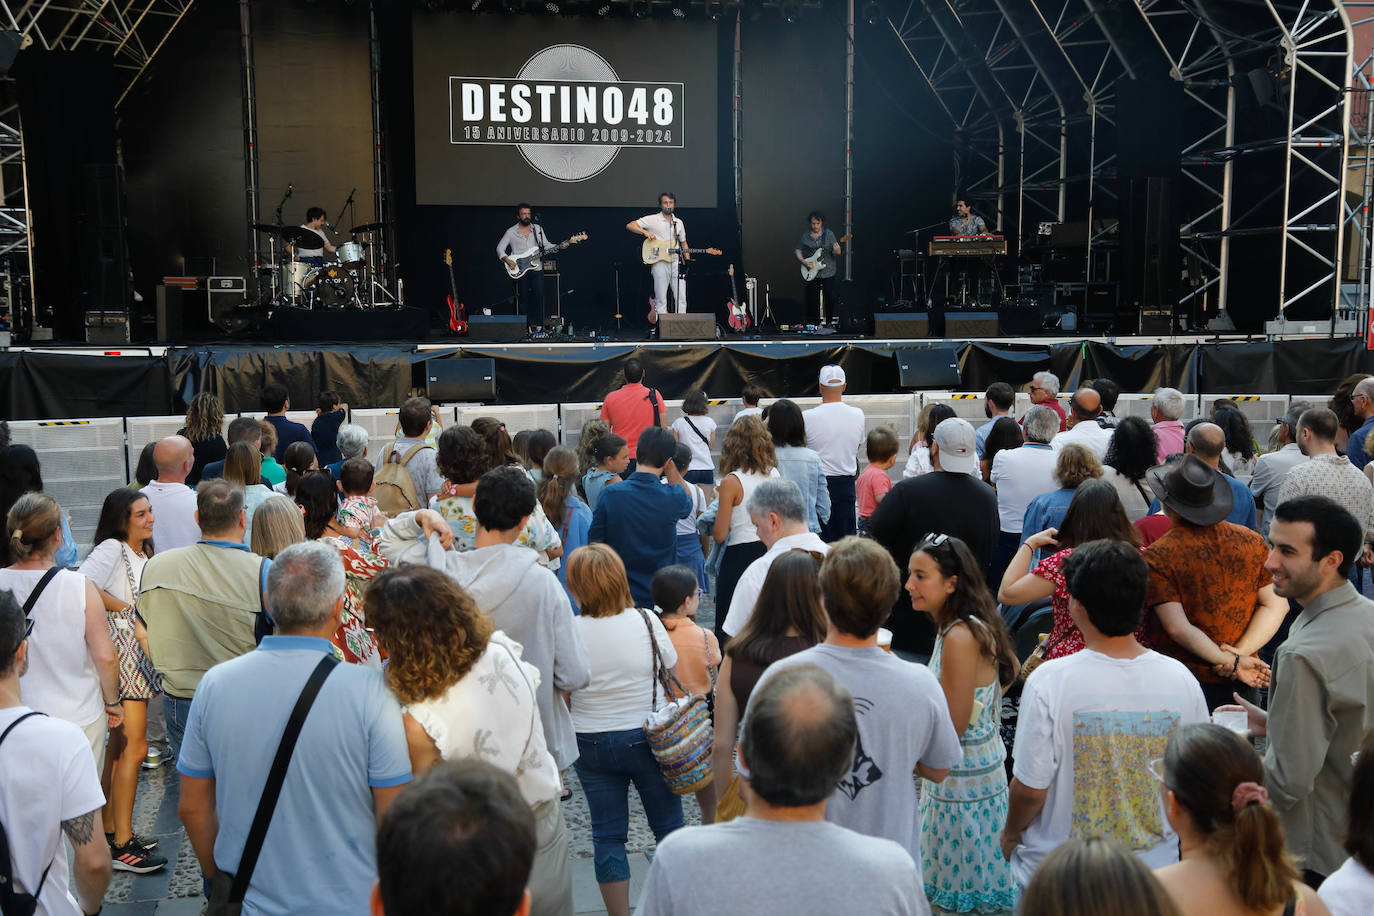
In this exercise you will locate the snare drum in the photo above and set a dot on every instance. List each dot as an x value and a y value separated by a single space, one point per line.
351 254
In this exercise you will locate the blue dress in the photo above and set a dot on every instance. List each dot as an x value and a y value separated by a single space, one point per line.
962 817
577 519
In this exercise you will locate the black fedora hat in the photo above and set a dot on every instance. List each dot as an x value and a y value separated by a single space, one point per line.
1194 489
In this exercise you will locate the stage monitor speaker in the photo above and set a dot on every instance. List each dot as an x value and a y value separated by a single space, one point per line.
687 326
901 324
450 380
929 367
852 314
497 327
970 324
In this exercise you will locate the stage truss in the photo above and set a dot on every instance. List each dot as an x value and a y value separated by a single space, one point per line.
1029 87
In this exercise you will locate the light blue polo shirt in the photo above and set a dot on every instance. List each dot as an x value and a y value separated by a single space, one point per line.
320 854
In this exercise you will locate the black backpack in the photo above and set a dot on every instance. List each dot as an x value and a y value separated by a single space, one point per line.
13 903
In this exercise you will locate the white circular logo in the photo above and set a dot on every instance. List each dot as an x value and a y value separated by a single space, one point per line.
563 162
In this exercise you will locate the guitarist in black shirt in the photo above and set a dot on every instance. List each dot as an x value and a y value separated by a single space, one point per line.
818 247
518 240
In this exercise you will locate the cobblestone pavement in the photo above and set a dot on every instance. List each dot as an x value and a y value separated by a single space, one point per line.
176 890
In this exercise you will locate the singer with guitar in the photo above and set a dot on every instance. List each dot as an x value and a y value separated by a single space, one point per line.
818 245
529 287
664 226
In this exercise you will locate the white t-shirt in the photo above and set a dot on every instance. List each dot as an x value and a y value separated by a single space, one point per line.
47 776
688 525
658 224
312 252
1086 433
751 581
701 448
620 695
747 412
1020 475
1349 891
1088 727
835 431
61 680
174 515
105 567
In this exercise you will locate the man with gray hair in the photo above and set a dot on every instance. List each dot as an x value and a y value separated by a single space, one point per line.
1272 469
1044 389
1362 401
798 742
203 604
1020 475
352 442
1165 412
351 753
778 511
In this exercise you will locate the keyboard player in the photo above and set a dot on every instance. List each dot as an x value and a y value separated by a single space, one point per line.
965 221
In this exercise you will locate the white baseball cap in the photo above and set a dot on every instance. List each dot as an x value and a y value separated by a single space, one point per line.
832 375
958 446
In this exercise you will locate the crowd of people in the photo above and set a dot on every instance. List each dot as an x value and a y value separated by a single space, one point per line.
1024 672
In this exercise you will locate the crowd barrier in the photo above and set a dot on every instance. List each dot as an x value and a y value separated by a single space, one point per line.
83 460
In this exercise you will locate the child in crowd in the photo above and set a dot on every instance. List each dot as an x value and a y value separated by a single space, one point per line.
612 456
358 509
874 482
329 416
697 431
272 472
750 396
691 544
676 597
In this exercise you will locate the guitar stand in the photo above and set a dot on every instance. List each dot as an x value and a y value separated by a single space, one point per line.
768 312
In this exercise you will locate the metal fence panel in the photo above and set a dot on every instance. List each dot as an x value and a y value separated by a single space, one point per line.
82 461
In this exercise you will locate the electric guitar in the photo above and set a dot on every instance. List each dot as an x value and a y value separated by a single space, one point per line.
457 315
739 312
524 260
656 250
812 266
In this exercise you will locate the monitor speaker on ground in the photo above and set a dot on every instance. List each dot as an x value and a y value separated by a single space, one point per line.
496 327
901 324
449 380
852 314
687 326
929 367
970 324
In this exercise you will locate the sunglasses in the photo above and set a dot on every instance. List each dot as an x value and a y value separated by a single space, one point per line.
28 627
932 540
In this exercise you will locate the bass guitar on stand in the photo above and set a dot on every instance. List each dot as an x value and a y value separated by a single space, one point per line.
739 312
457 314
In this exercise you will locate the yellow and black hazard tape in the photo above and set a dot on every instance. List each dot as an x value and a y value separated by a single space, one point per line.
64 422
966 397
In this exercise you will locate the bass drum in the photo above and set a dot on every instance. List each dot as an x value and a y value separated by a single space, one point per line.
335 288
351 254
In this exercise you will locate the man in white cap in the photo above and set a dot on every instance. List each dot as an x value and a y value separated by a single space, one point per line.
952 500
835 430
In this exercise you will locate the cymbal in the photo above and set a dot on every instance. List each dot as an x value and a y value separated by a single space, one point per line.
300 237
368 227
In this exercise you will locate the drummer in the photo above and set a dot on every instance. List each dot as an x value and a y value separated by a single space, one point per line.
314 221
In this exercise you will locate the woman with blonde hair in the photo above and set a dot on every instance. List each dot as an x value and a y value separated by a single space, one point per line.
1076 463
243 468
608 715
272 471
279 525
1092 876
566 512
205 429
73 671
747 459
1232 860
443 653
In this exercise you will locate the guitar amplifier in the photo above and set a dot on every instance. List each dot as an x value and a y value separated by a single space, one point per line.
687 326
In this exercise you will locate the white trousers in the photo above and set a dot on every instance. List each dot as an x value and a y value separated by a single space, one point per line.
665 274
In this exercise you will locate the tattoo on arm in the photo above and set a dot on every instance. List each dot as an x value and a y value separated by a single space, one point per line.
80 829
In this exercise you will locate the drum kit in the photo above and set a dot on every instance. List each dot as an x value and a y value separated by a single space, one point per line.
351 281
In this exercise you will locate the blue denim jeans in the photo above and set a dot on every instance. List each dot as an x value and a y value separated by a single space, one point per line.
175 711
607 763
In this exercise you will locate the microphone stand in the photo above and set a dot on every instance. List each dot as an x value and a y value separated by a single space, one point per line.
680 284
278 282
346 205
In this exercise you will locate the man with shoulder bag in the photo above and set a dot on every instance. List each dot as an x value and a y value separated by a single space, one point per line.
280 802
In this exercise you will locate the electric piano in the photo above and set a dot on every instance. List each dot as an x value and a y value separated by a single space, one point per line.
968 246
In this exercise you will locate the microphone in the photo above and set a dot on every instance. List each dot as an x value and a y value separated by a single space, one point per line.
331 228
289 189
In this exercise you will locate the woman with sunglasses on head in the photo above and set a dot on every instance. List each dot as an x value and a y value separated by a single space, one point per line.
962 817
1232 860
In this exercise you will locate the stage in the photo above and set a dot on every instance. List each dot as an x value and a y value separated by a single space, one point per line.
60 382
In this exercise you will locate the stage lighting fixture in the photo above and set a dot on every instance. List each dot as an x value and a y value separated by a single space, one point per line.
678 13
551 8
604 9
476 4
713 8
